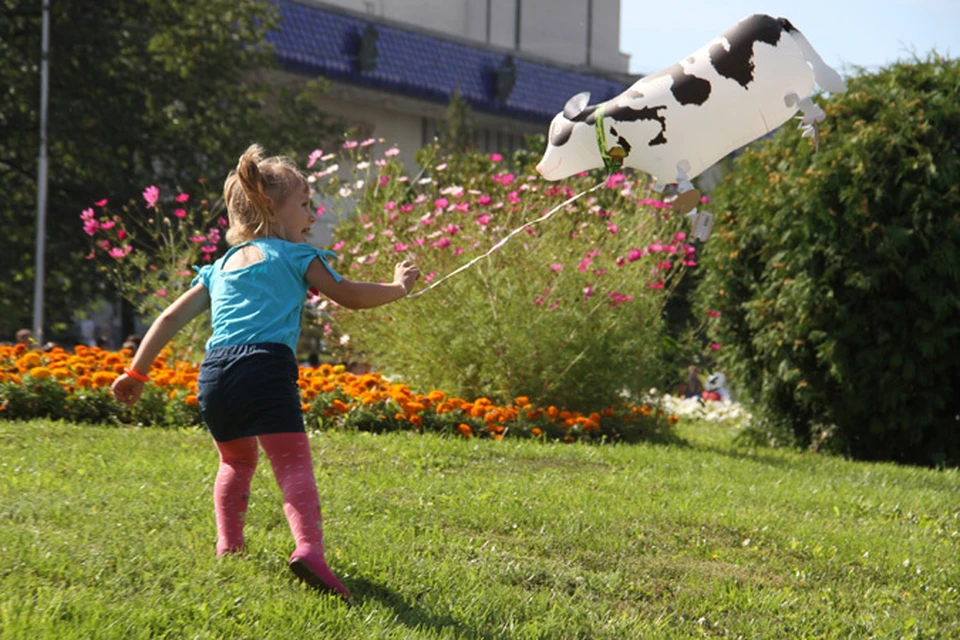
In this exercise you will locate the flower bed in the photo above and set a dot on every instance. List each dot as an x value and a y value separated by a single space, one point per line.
76 386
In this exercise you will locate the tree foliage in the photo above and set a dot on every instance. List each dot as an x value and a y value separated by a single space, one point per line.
838 272
141 92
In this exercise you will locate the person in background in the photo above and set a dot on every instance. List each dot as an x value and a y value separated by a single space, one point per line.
25 336
248 391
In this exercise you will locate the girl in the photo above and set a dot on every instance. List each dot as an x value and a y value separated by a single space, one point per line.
247 385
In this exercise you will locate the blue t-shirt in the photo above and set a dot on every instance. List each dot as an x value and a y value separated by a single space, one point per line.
261 302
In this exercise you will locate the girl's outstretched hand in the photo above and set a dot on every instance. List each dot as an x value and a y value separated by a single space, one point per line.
406 273
127 390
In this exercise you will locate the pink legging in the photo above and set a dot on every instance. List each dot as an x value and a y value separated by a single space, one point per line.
289 455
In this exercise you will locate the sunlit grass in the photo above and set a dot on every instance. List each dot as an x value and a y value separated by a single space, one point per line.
109 533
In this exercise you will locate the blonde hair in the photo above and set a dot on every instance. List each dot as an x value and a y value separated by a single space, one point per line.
253 189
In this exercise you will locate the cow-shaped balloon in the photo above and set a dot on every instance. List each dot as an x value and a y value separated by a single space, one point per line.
676 123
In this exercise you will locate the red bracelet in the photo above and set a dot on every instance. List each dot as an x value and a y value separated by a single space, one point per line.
136 375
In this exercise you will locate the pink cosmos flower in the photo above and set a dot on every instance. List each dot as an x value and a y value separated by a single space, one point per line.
441 203
382 180
86 214
350 144
222 221
634 255
160 293
367 142
180 213
314 156
369 237
321 209
484 220
484 200
183 197
406 208
615 180
556 267
338 245
442 243
399 247
430 276
496 157
656 285
121 234
452 229
584 265
392 151
713 314
680 237
109 224
390 206
513 197
151 195
715 346
458 251
587 292
198 239
101 203
612 228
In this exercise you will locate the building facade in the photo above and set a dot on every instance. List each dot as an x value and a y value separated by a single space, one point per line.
393 64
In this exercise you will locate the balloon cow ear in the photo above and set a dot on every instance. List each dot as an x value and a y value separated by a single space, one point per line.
576 105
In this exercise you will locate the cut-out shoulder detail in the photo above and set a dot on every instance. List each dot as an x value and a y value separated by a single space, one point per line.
243 257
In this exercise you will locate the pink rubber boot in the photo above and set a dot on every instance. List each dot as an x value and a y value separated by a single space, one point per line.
289 455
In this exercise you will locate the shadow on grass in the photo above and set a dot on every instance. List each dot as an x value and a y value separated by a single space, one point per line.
363 590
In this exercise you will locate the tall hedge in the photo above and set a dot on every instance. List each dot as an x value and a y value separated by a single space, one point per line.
837 272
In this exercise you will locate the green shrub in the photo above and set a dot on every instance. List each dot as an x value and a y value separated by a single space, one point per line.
837 272
568 312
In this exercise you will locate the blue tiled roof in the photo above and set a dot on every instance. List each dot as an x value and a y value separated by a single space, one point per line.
316 41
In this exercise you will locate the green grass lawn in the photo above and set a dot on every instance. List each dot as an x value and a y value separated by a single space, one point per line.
109 533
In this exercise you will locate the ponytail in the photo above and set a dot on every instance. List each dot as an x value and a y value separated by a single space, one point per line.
252 190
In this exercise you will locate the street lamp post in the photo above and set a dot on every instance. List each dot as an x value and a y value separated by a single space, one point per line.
42 179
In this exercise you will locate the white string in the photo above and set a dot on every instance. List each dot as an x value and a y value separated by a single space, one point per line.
508 236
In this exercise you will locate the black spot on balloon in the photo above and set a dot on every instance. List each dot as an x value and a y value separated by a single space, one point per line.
737 63
686 88
627 114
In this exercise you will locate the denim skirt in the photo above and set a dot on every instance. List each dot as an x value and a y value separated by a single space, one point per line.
249 390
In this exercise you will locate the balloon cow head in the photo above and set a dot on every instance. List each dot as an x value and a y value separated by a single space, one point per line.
680 121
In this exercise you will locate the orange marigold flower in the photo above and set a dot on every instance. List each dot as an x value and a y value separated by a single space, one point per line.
436 396
40 373
414 407
537 432
61 373
84 381
534 415
552 411
645 410
103 378
192 400
465 430
400 416
416 421
339 406
304 407
522 400
673 419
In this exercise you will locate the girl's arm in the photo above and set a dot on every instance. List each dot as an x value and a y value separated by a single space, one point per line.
363 295
175 317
